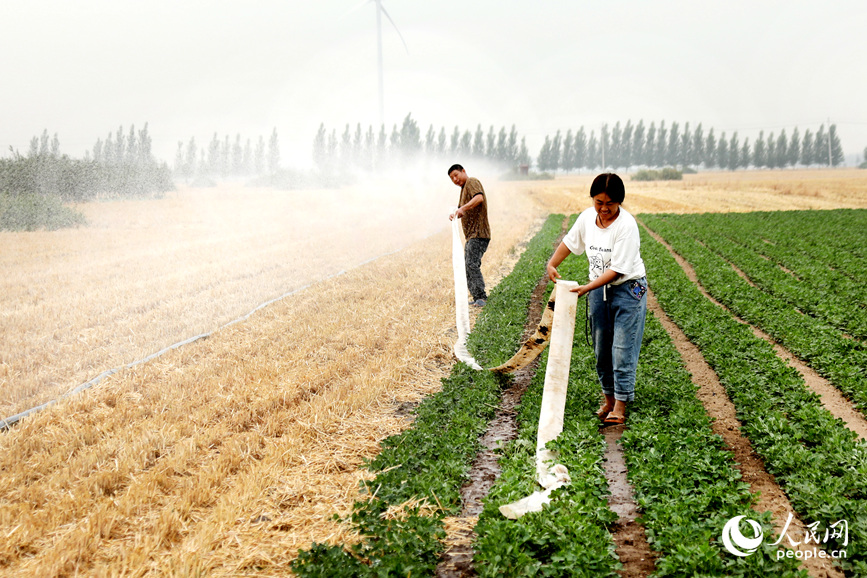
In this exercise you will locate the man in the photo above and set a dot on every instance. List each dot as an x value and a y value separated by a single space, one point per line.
473 212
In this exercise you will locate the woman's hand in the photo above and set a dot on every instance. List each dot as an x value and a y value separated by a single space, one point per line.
561 253
553 275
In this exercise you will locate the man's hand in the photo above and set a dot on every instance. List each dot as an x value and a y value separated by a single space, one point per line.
459 214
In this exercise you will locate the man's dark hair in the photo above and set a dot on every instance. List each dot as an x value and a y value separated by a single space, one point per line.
610 184
455 168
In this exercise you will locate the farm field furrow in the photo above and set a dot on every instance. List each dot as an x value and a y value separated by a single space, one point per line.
842 360
769 497
686 481
578 513
814 295
824 261
825 258
818 462
827 232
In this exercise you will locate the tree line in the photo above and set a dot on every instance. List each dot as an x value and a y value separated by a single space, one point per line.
622 145
631 145
226 157
371 150
121 166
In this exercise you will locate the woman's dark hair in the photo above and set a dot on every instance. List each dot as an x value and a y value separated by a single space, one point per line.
610 184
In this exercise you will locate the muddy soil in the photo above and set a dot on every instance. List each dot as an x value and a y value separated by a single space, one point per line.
632 547
457 561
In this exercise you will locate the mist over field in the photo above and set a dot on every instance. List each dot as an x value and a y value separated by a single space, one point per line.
143 274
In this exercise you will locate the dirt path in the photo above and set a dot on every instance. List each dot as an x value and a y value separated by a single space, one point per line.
457 560
718 406
635 553
832 399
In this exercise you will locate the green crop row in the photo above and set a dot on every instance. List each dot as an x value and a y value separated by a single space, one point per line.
822 276
821 300
821 248
683 477
821 465
835 237
840 359
430 460
834 229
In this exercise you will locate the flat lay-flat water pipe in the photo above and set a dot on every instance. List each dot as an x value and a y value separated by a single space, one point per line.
549 474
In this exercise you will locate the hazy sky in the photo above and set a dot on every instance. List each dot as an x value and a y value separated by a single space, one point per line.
194 67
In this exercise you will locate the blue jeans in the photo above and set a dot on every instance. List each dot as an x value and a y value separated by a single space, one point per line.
617 327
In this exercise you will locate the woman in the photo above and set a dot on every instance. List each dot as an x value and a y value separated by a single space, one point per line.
616 291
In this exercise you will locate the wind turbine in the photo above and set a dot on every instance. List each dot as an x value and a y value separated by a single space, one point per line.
380 11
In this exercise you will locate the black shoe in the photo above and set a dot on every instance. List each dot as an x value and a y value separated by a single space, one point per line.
478 303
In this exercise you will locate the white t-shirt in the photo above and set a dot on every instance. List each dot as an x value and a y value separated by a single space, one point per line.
616 247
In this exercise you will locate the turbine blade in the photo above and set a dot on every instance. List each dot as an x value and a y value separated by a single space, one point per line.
381 7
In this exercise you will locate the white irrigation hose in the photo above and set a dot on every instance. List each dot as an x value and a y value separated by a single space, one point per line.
462 313
549 474
8 422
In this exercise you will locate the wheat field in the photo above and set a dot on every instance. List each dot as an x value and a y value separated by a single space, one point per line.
225 456
147 274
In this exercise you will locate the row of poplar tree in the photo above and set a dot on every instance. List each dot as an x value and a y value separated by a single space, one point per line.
621 146
369 149
121 166
657 146
225 157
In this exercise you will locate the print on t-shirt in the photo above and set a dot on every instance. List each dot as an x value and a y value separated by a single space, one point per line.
598 265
